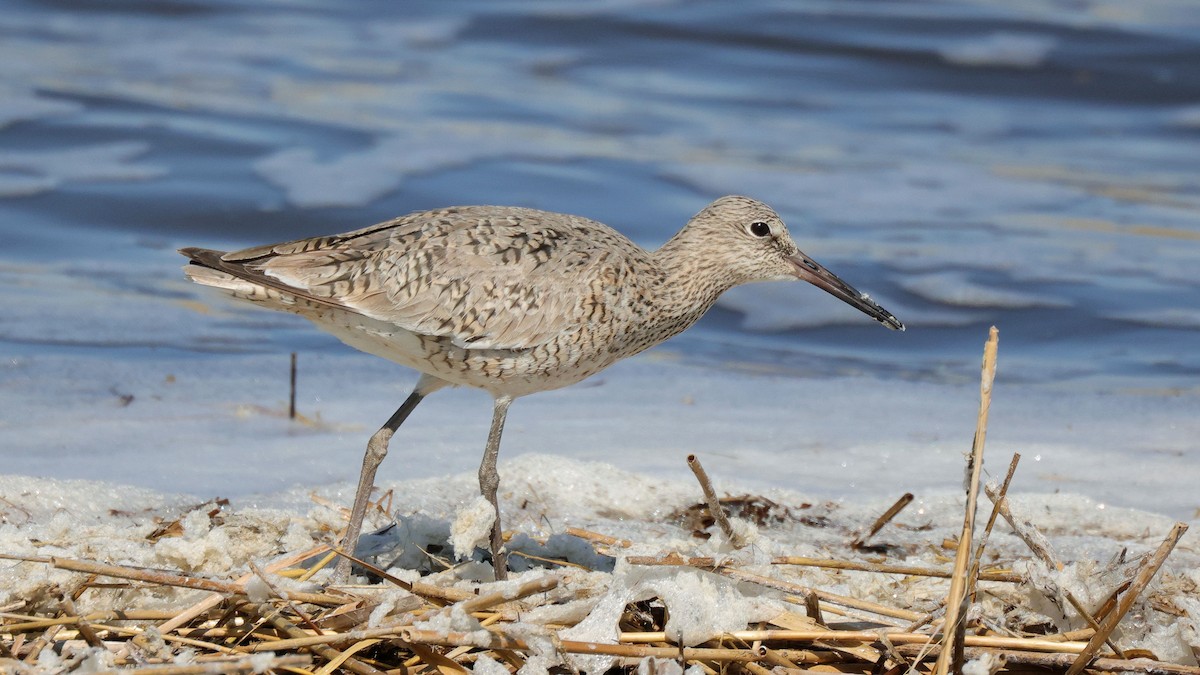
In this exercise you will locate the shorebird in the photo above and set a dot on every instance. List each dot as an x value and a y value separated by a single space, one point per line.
510 300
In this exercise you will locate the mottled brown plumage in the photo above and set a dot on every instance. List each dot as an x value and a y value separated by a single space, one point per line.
511 300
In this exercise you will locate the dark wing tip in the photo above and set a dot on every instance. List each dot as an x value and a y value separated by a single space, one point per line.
202 256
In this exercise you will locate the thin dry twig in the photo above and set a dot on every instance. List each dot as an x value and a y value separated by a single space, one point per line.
714 504
977 561
292 388
435 594
1025 531
884 518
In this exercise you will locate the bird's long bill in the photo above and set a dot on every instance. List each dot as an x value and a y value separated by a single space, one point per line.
810 271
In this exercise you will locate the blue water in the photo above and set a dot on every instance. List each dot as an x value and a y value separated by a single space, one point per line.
1033 165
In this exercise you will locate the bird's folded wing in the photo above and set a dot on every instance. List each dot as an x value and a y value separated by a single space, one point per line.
487 283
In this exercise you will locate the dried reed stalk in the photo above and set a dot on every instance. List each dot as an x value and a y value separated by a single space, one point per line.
796 622
168 579
1060 662
886 568
490 640
954 627
110 615
871 636
827 563
482 602
598 537
827 596
241 665
177 639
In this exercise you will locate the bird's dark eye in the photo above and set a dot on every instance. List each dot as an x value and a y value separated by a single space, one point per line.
760 229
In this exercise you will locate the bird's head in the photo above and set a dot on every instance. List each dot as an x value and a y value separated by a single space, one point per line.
750 240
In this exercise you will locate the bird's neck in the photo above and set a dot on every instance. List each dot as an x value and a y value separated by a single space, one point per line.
690 283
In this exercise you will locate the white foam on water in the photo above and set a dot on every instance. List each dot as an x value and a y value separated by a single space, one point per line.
49 168
1187 116
359 178
427 32
956 289
1014 50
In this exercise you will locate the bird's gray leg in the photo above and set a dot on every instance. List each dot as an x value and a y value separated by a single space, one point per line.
489 481
377 449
